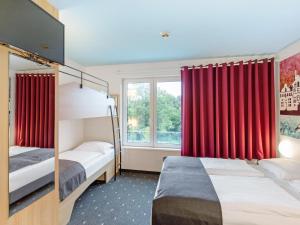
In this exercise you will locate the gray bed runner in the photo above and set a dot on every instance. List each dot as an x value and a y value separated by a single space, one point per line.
71 175
30 158
30 188
185 195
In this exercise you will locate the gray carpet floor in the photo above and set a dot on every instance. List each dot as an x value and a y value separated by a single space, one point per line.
127 201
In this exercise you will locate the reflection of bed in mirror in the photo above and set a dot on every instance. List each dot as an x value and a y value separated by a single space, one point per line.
30 170
31 132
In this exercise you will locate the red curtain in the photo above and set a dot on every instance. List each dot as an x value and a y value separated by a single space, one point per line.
34 118
228 111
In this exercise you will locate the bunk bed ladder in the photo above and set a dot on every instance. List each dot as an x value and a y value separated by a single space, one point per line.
116 139
119 138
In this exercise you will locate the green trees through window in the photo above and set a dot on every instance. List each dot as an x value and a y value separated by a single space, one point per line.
162 106
168 113
138 113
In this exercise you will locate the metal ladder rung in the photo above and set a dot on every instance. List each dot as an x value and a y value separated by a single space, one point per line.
116 139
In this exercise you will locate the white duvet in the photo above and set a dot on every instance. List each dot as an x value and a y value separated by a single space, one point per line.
255 201
92 161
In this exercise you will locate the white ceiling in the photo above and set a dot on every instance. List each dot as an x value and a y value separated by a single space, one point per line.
128 31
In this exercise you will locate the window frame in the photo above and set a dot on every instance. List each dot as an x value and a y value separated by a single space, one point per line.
153 113
124 114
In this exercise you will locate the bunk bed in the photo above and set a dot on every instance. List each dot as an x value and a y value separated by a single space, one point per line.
94 160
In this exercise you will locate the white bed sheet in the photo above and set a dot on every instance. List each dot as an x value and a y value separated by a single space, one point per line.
232 167
16 150
28 174
295 184
91 161
255 201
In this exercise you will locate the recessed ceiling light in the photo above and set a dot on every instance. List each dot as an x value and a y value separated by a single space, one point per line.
165 35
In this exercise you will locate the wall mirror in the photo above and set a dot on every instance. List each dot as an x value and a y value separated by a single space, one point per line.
31 132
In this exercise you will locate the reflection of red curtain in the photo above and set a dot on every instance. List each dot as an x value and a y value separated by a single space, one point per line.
34 118
228 111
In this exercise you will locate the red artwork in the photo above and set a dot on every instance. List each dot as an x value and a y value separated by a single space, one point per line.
290 86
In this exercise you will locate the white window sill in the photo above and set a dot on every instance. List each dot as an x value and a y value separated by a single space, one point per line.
127 147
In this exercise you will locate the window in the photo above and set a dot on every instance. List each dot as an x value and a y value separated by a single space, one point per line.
138 113
152 112
168 99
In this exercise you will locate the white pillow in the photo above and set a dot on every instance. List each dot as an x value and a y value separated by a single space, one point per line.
281 168
230 167
94 146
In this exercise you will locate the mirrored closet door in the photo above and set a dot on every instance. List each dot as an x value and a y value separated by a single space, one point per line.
31 132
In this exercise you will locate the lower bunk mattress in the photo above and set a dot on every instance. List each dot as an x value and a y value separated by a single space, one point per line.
77 166
186 194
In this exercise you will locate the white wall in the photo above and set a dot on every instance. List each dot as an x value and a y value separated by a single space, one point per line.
288 51
85 102
291 145
98 129
71 134
147 159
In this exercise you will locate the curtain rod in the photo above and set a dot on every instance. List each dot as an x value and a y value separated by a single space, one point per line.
46 70
234 63
23 74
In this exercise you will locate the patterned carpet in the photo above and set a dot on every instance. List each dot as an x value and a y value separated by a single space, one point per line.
127 201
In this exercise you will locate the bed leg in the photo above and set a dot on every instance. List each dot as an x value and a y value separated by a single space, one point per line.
102 178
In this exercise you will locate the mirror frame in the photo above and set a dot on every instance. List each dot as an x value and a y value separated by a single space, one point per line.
4 139
5 53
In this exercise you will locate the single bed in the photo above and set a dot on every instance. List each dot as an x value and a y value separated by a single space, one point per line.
186 194
91 161
79 168
30 169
